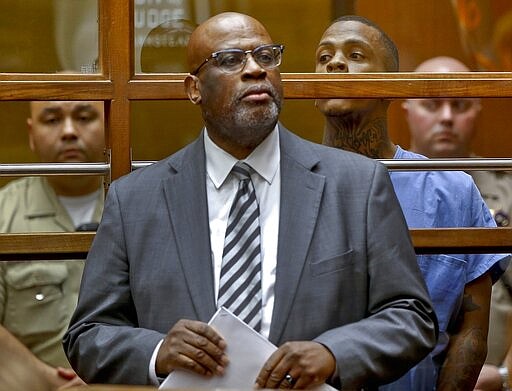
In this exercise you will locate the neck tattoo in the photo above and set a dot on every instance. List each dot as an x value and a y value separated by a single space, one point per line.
352 134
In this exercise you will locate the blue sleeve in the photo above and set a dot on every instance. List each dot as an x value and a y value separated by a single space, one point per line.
479 264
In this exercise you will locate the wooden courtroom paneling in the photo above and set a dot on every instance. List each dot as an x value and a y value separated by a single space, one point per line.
420 28
119 87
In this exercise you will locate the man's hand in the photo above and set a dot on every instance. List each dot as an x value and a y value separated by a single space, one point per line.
489 379
194 346
299 365
61 378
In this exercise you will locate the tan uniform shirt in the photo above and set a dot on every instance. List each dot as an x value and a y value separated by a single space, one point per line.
496 190
38 298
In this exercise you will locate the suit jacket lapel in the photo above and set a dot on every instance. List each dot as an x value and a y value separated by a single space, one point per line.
185 194
301 192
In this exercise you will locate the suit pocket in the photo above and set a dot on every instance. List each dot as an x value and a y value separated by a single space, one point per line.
332 264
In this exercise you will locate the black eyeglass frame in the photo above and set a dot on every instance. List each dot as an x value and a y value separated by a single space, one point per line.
214 55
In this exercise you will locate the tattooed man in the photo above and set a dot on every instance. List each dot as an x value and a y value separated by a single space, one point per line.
459 285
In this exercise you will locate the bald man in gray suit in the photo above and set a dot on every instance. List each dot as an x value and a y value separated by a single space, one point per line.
342 295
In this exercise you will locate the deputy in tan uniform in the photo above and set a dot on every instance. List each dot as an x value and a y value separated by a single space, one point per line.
444 128
38 298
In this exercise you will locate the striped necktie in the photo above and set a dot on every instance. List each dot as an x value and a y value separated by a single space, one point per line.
240 275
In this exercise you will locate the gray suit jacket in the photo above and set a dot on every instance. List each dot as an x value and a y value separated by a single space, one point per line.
347 275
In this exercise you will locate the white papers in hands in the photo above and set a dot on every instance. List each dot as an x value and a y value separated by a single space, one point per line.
246 349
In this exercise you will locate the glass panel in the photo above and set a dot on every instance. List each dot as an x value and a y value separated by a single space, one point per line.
13 124
488 131
440 27
47 36
78 116
162 29
478 32
161 128
49 132
152 140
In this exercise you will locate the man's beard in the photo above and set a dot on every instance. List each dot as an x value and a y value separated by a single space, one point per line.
248 124
252 121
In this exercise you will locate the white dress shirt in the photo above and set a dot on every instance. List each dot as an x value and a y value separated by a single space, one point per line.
221 188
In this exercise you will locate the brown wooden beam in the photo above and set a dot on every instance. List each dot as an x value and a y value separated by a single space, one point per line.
462 240
426 241
56 90
369 85
45 246
117 53
296 85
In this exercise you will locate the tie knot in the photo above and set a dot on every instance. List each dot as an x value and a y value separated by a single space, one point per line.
242 170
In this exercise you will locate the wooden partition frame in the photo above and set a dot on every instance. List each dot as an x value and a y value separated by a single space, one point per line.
118 85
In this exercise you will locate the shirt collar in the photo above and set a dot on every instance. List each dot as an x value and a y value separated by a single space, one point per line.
398 152
264 159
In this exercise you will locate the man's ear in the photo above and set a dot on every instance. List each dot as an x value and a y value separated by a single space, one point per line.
192 89
405 105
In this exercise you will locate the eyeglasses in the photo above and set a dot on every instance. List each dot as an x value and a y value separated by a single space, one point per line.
234 60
